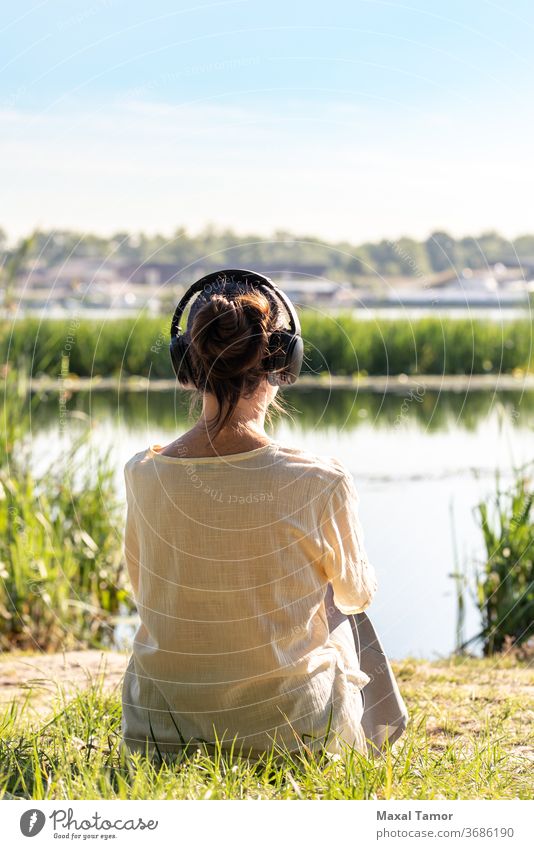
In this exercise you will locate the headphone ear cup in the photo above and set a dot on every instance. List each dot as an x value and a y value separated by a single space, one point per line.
180 360
286 351
295 355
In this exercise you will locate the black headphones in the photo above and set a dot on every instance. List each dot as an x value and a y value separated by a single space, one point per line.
286 348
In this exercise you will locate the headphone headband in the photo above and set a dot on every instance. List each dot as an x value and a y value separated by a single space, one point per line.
218 279
282 362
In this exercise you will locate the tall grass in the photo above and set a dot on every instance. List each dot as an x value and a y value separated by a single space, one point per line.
341 344
505 583
61 569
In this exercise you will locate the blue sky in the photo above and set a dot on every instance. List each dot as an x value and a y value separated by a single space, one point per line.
346 120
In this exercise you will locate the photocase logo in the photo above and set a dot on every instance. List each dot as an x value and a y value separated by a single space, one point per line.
64 824
32 822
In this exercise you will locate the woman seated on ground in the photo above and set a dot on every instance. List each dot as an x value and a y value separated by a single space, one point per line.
232 541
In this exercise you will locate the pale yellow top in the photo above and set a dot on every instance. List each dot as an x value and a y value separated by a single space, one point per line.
229 559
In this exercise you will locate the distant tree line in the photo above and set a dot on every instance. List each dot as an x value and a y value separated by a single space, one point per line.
283 251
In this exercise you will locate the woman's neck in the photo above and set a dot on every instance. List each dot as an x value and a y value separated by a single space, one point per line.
244 432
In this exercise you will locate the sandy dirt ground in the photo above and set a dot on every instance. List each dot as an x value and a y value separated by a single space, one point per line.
37 681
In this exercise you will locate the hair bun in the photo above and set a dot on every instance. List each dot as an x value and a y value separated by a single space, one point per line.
230 336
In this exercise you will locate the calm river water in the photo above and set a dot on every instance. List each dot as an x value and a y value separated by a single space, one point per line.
421 464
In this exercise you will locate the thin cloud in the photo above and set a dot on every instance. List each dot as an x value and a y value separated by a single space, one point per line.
341 173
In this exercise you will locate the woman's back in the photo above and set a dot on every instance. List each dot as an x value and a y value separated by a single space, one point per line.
229 558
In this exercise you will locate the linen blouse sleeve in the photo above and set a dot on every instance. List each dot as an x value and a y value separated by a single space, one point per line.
346 565
131 540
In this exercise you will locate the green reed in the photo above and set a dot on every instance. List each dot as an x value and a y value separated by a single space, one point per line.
505 583
343 344
62 574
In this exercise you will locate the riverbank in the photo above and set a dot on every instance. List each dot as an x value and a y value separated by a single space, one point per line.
400 384
470 735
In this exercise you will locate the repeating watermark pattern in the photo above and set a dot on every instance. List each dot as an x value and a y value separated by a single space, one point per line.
84 15
156 83
408 259
216 493
414 267
61 26
416 395
161 342
232 498
63 394
13 98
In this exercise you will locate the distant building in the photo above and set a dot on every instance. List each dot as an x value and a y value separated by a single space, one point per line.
152 273
498 288
308 292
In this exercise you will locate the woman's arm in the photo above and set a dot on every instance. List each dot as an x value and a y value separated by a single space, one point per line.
345 562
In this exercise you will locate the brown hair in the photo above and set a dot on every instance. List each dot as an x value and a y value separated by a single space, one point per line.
229 343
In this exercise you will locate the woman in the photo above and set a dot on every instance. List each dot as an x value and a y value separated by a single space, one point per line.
232 541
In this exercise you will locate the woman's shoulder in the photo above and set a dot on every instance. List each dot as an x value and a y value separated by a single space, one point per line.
138 460
326 466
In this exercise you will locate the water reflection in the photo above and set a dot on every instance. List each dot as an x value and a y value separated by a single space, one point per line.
316 409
